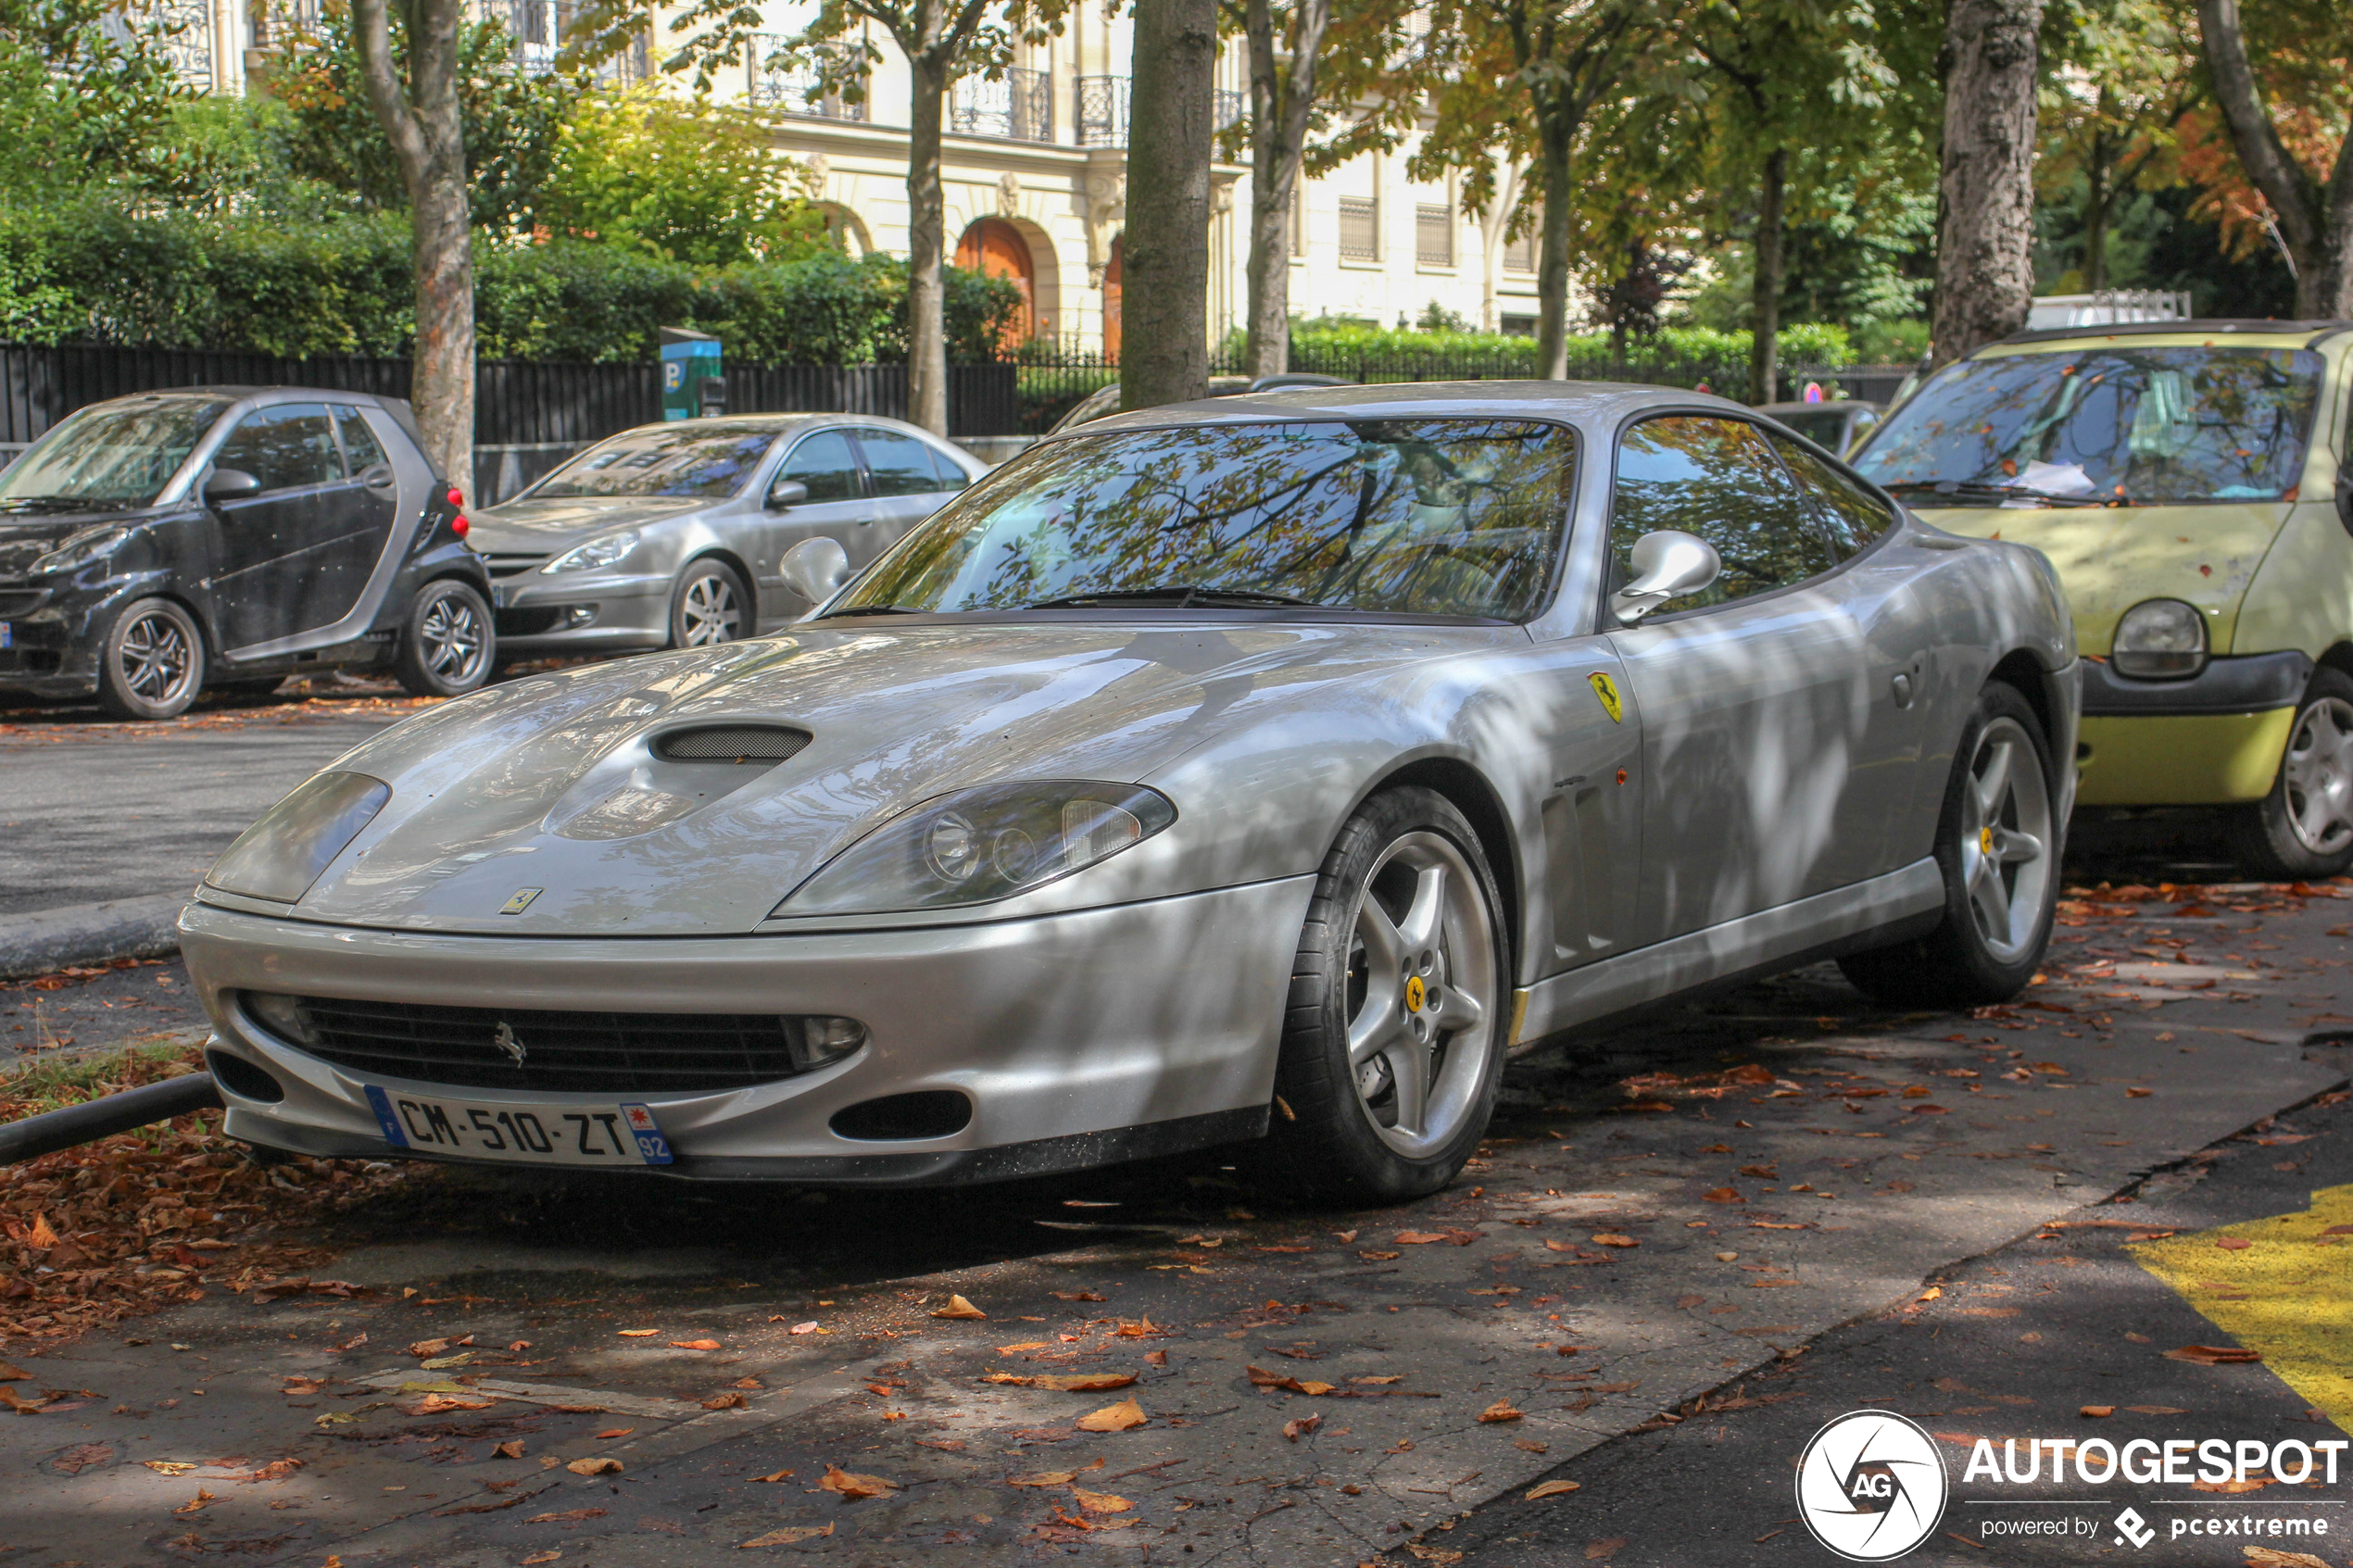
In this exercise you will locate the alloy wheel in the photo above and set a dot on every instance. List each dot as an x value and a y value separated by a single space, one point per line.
157 660
451 639
1421 988
709 611
2006 838
2318 768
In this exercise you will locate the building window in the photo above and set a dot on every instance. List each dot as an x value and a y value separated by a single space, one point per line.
1102 110
1018 109
1518 326
780 80
1360 228
186 26
1433 235
1519 255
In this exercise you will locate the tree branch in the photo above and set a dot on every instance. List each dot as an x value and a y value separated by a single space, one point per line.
2265 157
372 33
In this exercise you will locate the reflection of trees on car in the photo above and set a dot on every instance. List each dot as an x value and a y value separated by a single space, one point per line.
1718 478
1441 517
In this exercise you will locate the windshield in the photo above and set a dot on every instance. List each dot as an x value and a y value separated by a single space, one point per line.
2122 426
112 454
705 460
1423 517
1824 425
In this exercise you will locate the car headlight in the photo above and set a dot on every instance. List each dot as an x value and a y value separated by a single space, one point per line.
980 845
2159 637
601 551
282 855
79 550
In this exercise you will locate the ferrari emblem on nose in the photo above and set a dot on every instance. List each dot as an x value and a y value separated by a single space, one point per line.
505 1039
1606 689
520 902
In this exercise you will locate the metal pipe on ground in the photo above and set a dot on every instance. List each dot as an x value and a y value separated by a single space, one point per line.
53 1130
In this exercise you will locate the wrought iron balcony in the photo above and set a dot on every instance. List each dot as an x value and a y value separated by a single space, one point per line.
795 85
1102 110
1018 109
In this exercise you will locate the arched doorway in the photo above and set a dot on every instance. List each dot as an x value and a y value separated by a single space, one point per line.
995 248
1112 299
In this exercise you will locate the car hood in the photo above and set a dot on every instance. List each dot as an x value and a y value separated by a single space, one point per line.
544 527
25 537
551 783
2111 558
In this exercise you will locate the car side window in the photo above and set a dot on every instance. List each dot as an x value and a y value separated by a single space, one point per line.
951 476
900 464
360 447
825 464
1717 479
284 447
1852 516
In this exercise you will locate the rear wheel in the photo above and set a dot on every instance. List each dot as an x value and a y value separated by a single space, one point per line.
446 643
2304 828
708 605
1997 844
151 662
1393 1042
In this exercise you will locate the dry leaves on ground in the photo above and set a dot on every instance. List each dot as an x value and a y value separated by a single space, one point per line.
2264 1557
958 1308
1101 1502
1066 1383
851 1487
1121 1417
725 1402
1500 1410
595 1467
1302 1425
2214 1355
1052 1477
1550 1490
1611 1239
1261 1378
694 1344
512 1449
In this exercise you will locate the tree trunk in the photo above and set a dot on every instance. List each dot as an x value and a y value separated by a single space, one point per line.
926 249
1280 102
1764 292
1493 224
1165 262
1553 156
420 114
2315 220
1984 273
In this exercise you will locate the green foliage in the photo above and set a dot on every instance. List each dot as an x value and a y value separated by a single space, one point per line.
685 179
93 273
84 96
1687 353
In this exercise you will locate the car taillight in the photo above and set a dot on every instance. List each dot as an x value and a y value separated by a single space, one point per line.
455 499
459 525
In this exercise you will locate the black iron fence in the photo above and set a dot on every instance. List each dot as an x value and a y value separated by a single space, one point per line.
528 416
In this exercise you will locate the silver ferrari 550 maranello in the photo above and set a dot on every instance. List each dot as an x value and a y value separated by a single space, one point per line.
1264 771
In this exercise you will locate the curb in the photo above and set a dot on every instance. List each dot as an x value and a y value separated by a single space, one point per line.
47 940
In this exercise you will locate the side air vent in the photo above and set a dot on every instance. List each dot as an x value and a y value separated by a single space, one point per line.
731 743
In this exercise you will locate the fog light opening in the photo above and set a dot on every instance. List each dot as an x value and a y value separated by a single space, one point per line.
926 1114
282 1016
243 1079
818 1040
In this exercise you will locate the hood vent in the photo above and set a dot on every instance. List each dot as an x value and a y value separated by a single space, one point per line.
731 743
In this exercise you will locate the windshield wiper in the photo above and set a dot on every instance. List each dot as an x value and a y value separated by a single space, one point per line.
60 504
1185 594
1980 489
873 610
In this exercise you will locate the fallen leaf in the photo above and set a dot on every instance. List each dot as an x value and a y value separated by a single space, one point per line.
1602 1551
1052 1477
1550 1490
788 1535
1101 1502
1300 1426
197 1504
694 1344
2231 1488
615 1432
1686 1301
1500 1410
1417 1238
434 1404
167 1466
640 1333
1379 1257
1533 1447
958 1308
1085 1382
2097 1411
1392 1377
1611 1239
2265 1556
725 1402
510 1449
752 1382
74 1460
595 1467
1024 1345
851 1488
1120 1417
2232 1243
771 1480
1722 1195
1077 1295
18 1403
802 1328
2214 1355
538 1557
10 1373
566 1517
1156 1358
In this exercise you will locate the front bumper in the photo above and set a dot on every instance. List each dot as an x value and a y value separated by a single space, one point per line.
1080 1039
2213 739
536 615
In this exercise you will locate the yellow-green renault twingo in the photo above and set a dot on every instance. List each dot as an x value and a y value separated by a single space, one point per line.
2189 480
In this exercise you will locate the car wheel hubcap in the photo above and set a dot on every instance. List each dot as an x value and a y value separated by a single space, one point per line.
157 660
1421 987
2318 771
711 612
452 639
2006 839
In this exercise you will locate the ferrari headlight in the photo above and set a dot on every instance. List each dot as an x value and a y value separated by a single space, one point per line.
604 550
981 845
79 550
2159 637
282 855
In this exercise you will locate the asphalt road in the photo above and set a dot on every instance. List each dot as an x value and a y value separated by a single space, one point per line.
1601 1265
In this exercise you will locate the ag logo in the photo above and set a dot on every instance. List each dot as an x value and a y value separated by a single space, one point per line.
1872 1486
1606 689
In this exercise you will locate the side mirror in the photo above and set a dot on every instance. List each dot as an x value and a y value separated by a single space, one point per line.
1667 565
377 478
786 493
814 568
224 483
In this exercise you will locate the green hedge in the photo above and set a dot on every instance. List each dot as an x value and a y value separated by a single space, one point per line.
1720 357
97 274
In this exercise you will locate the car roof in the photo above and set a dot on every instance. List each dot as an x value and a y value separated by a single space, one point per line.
1834 403
273 394
1559 401
2307 330
782 421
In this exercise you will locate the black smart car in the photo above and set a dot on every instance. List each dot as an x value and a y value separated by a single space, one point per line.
156 544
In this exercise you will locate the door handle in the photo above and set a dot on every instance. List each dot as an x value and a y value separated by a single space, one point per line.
1903 685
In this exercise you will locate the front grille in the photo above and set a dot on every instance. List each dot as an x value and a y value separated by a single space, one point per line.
513 566
20 601
610 1053
731 743
529 622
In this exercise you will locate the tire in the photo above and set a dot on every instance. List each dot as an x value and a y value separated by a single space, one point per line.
1999 845
1406 866
709 604
447 644
2303 828
151 665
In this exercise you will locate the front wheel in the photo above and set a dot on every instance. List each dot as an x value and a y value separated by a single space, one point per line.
1393 1041
446 643
709 604
152 662
1997 844
2303 828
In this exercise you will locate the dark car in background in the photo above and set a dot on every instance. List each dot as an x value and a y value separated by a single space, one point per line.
156 544
1835 426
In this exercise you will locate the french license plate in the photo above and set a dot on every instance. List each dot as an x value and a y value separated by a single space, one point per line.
7 635
498 595
584 1134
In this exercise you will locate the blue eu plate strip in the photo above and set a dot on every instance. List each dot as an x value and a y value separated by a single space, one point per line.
384 1118
651 1146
